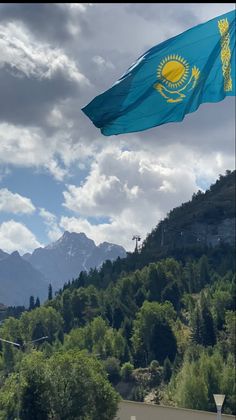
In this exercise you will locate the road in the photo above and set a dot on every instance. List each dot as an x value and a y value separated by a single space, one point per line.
129 410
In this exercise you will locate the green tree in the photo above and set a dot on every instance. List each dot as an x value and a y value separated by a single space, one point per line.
34 388
71 386
79 388
126 371
8 357
204 270
208 329
167 370
67 311
112 367
31 303
156 282
197 326
50 292
203 329
152 336
37 302
41 321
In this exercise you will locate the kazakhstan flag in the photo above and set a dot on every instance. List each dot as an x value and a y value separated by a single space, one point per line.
170 80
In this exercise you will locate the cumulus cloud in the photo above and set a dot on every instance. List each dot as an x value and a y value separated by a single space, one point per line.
134 190
122 179
53 230
26 147
30 58
15 203
30 147
16 236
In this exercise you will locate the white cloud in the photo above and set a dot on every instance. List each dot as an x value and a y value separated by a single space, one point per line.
129 179
32 58
135 189
102 63
75 7
53 230
22 146
16 236
15 203
30 147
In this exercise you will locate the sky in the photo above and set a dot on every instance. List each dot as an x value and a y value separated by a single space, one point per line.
57 171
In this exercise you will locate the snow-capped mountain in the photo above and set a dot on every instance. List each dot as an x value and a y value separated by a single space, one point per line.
64 259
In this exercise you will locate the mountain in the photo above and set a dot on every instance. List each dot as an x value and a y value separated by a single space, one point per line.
204 225
3 254
19 280
68 256
207 221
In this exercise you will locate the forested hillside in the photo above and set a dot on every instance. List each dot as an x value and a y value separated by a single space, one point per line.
156 326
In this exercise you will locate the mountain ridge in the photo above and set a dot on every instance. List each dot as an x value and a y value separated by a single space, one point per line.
56 263
72 253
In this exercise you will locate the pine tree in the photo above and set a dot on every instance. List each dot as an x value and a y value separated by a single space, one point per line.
31 303
204 271
197 326
37 303
167 370
208 330
203 325
50 292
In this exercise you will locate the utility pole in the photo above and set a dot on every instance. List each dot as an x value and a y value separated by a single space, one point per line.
136 238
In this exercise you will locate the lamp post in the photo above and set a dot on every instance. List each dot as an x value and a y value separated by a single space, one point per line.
219 400
24 344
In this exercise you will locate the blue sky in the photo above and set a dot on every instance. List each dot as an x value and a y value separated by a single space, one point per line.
57 172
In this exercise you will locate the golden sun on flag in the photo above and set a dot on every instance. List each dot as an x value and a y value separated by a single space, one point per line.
173 70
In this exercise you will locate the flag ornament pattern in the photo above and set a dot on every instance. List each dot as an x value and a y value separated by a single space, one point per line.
170 80
223 25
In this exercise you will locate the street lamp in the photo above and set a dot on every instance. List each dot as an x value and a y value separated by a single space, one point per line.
24 344
219 400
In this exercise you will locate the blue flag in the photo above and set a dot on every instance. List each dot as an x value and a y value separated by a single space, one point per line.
170 80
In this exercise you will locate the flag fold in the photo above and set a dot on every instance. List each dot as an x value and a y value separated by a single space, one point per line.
170 80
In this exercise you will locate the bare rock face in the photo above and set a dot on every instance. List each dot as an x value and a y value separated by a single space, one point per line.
208 234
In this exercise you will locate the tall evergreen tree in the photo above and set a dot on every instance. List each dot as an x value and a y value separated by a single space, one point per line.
204 271
197 326
167 370
208 330
31 303
50 292
37 303
67 311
